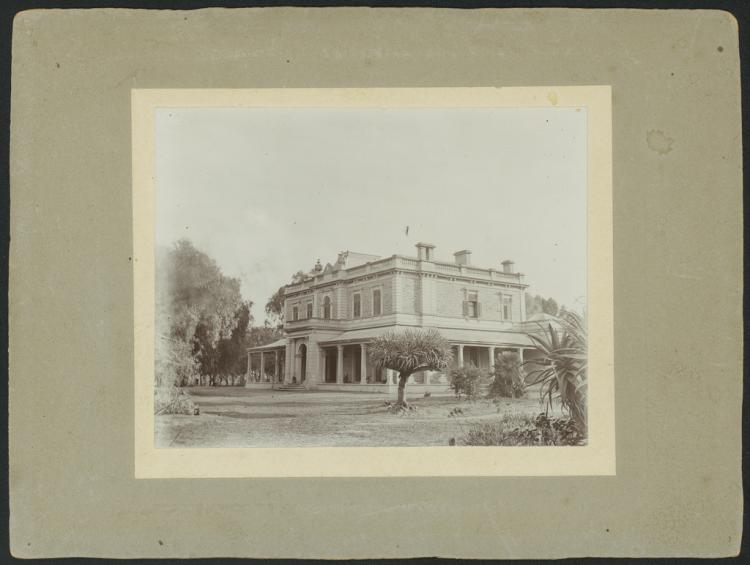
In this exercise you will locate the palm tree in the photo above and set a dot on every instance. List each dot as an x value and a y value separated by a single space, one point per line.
564 372
410 351
509 380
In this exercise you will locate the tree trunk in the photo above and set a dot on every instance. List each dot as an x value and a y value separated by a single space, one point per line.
402 378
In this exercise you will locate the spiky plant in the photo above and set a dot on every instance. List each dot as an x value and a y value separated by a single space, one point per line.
410 351
564 372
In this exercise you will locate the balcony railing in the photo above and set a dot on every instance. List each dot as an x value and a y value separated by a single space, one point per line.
314 320
408 263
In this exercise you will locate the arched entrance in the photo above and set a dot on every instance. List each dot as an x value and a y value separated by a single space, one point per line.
302 352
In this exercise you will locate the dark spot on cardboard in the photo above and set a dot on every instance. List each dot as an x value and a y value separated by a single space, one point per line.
161 542
720 49
57 65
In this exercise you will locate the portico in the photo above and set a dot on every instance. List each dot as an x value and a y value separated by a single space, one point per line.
266 365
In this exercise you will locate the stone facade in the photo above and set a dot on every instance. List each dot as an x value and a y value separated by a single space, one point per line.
333 313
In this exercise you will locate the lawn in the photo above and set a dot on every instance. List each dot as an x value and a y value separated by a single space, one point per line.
239 417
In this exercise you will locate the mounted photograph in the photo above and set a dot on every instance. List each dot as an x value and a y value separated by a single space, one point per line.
370 275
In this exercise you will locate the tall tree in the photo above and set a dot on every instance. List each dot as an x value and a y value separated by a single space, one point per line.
197 303
231 351
410 351
275 308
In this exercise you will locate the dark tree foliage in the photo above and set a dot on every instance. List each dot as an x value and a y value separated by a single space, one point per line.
231 352
262 335
539 305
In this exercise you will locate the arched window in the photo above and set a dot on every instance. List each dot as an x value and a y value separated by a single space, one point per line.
376 306
327 308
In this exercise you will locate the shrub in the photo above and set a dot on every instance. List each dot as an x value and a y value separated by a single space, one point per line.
508 378
519 430
465 381
173 400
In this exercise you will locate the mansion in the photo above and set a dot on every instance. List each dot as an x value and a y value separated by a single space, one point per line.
334 311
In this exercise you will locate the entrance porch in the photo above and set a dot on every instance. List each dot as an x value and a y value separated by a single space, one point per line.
266 365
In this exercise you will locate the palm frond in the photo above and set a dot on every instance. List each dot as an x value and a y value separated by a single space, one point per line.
564 356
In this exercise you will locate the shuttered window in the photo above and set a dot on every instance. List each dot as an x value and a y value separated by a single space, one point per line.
295 313
327 308
309 310
357 307
471 305
376 307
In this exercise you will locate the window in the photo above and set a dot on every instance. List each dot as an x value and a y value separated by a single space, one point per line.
376 306
327 308
357 308
507 310
309 309
295 313
471 304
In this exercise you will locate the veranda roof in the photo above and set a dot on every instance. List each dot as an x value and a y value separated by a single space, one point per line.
458 336
278 344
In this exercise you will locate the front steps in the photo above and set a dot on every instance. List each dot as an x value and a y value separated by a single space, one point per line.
290 386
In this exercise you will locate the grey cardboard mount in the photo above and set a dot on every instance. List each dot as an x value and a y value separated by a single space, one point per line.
677 293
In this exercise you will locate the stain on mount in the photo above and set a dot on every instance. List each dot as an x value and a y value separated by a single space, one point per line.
659 142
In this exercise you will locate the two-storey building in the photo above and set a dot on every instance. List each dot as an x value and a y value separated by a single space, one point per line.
331 315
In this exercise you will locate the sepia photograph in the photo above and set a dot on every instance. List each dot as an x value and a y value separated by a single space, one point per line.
370 277
397 282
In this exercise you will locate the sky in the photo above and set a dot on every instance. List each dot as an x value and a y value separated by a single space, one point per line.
267 192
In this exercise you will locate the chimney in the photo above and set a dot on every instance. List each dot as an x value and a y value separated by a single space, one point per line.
463 257
508 266
425 251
